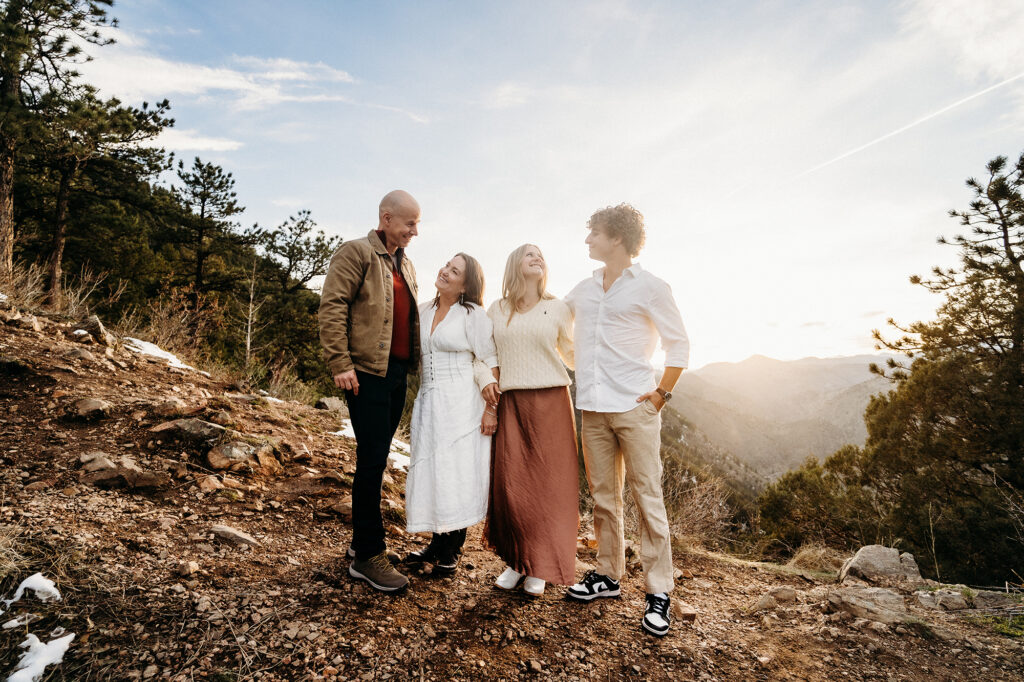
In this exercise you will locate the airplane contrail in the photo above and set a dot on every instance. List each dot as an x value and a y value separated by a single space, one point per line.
907 127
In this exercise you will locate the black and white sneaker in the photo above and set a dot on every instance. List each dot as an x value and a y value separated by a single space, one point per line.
592 586
656 619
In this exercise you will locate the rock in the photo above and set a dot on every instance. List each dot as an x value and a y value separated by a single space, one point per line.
187 568
9 316
765 603
534 666
266 460
429 632
95 461
38 485
872 603
783 595
96 330
150 671
30 322
233 455
333 404
343 508
190 429
994 600
124 477
79 354
91 408
949 600
683 612
877 563
210 484
171 407
234 535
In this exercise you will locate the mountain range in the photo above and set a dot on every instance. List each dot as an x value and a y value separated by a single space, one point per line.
770 415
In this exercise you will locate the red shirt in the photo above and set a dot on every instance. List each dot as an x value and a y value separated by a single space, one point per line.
401 333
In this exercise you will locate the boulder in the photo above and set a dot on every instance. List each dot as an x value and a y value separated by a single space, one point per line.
96 330
29 322
871 603
95 461
124 477
233 455
210 484
190 429
266 460
91 408
234 535
171 407
995 600
333 404
949 600
343 508
783 595
79 354
880 564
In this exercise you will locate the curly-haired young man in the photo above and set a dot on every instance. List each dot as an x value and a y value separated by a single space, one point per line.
620 313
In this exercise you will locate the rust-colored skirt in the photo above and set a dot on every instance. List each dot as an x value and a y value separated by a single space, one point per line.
533 504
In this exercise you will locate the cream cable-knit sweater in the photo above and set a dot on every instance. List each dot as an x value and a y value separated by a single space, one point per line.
533 346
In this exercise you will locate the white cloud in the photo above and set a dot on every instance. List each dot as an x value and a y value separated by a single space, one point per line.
290 70
190 140
129 70
508 95
984 36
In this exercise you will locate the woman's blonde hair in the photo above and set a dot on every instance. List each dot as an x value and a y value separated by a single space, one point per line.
513 286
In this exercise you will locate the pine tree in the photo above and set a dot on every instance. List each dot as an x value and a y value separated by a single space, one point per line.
207 231
37 54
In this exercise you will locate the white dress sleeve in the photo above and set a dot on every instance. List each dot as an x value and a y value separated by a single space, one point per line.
479 332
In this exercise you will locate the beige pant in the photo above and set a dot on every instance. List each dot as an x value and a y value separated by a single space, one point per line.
620 446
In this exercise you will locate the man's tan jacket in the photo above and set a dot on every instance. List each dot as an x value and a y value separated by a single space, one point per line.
356 308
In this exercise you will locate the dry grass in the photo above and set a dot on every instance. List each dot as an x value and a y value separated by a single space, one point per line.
26 289
698 510
815 557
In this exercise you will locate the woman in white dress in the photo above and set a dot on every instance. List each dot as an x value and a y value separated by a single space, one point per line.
452 419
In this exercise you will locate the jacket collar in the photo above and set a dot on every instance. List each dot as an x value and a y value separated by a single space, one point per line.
381 250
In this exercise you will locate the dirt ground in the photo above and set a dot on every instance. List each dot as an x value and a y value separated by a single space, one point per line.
285 608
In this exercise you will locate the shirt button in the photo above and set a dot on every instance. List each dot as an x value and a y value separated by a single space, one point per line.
380 345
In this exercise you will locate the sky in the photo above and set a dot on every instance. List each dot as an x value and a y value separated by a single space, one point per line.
795 161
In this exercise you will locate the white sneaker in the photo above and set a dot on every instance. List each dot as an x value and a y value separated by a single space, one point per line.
508 580
533 586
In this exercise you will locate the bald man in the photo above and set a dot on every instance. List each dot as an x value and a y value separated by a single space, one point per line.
369 329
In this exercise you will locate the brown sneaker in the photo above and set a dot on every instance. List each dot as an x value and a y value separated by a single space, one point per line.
379 572
393 557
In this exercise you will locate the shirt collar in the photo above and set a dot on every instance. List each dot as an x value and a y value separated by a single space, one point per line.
634 271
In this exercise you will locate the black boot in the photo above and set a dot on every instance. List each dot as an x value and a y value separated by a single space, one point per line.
429 554
450 552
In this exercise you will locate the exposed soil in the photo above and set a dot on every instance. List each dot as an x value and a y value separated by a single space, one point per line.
286 608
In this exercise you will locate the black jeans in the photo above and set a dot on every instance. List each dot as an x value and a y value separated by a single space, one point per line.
375 414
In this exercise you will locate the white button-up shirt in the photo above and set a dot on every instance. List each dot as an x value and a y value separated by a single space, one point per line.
616 334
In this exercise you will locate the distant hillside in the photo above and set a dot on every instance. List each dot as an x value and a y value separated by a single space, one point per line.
773 414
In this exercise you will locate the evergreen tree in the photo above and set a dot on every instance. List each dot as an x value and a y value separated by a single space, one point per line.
207 229
79 131
37 53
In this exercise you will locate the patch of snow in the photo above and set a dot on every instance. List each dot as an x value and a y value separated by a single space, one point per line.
43 587
146 348
23 619
3 297
80 332
399 456
32 664
272 399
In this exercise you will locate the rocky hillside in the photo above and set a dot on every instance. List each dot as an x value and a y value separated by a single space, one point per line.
197 531
772 414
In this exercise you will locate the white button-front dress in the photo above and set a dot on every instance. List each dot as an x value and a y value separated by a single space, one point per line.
446 487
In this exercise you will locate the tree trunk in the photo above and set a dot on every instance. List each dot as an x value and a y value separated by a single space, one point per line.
8 146
60 229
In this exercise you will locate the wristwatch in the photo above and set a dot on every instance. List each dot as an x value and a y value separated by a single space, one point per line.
665 395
